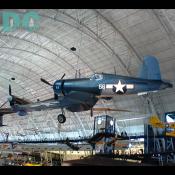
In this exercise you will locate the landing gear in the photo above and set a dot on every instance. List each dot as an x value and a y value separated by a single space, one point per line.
61 118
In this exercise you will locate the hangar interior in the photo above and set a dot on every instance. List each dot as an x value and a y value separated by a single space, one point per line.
79 43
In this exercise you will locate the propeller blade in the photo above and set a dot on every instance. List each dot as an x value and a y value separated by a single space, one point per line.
10 90
63 76
46 82
91 112
3 104
55 96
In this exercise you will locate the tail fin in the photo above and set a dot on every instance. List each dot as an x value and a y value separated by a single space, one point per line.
150 69
155 122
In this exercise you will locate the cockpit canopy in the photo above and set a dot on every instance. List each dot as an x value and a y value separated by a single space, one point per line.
96 77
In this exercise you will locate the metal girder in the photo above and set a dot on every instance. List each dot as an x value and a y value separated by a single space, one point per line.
9 48
157 16
121 34
160 17
59 42
22 39
95 38
6 70
68 49
26 77
8 81
98 39
16 63
33 53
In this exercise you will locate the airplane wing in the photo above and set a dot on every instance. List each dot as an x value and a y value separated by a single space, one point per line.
6 111
18 101
170 134
155 122
171 125
110 109
21 101
75 101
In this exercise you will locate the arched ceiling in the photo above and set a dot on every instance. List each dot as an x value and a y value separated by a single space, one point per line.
104 39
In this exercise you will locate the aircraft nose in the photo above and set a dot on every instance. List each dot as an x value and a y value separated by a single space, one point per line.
57 86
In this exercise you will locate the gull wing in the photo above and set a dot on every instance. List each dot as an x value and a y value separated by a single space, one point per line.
110 109
6 111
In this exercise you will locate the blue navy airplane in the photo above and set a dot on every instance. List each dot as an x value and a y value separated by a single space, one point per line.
82 94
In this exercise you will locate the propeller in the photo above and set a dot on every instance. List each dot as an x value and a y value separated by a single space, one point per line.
62 76
91 112
62 83
46 82
10 90
9 99
61 86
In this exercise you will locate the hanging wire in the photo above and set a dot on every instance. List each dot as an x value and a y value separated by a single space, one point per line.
79 49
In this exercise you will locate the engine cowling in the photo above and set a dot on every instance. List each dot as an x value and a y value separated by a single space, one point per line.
58 87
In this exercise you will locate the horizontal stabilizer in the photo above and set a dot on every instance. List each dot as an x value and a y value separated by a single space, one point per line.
150 69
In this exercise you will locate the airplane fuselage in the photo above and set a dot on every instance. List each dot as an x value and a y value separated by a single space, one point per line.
82 94
86 90
109 84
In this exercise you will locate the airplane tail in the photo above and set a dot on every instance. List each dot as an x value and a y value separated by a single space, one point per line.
150 69
155 122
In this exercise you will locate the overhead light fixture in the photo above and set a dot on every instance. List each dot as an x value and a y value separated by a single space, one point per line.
73 49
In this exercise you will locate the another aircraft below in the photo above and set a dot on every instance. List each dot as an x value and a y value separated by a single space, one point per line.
156 123
82 94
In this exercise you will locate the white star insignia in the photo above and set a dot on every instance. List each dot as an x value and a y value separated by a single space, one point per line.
119 86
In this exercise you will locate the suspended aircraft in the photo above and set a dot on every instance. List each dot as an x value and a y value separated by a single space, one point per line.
81 94
157 123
